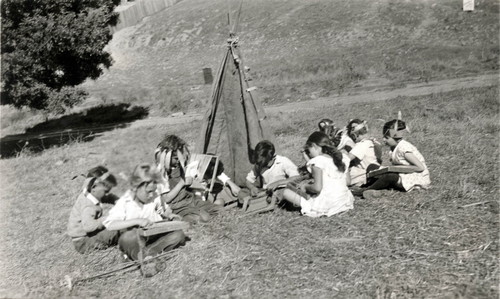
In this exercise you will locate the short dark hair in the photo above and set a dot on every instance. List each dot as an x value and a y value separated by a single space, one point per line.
96 173
349 127
401 125
264 152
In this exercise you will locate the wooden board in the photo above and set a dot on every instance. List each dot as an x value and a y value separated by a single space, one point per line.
396 169
162 227
203 161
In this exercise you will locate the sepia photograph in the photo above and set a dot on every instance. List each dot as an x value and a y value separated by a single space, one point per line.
250 149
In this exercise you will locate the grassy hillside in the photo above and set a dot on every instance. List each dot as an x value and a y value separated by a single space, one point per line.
299 49
421 244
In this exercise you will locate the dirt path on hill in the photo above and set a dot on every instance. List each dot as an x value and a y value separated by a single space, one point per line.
11 145
361 95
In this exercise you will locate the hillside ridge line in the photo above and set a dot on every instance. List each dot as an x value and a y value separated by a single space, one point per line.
352 96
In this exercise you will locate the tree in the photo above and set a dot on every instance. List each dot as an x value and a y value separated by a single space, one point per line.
50 46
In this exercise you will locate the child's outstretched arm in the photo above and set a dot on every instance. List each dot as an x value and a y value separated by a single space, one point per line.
170 195
416 165
116 219
253 190
284 182
235 189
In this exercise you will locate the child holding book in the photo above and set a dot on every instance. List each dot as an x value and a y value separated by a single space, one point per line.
141 206
85 224
327 194
269 171
410 169
171 157
365 155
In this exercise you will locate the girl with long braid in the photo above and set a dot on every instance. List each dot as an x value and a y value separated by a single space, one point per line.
327 194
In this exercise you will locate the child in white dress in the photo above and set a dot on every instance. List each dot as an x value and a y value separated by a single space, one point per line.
405 154
327 194
366 155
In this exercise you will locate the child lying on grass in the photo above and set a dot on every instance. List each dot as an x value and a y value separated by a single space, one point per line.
85 225
141 206
269 171
327 194
413 174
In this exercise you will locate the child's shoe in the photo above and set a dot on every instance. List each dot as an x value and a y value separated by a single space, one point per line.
375 194
357 191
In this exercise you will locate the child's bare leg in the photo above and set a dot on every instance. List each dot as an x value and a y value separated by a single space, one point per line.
191 218
225 196
292 197
130 243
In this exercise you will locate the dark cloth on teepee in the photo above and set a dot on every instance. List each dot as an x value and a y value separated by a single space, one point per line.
235 122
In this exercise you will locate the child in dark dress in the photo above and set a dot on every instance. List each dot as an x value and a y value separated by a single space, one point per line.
171 158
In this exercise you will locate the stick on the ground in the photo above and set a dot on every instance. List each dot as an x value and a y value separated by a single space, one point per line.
475 204
70 283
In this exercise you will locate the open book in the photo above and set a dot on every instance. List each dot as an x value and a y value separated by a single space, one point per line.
395 168
197 168
163 226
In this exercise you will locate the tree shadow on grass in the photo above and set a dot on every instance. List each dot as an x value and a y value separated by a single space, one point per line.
77 127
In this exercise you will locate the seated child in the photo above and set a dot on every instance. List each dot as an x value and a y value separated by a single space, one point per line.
85 225
141 206
224 190
171 157
269 171
366 155
327 194
327 126
345 141
402 153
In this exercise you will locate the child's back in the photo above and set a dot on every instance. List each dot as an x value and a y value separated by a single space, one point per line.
327 192
410 180
334 197
365 152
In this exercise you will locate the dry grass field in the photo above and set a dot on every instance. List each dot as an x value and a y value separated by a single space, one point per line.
422 244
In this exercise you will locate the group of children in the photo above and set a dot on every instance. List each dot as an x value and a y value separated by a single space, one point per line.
337 163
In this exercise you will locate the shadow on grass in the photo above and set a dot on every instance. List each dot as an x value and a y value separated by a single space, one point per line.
76 127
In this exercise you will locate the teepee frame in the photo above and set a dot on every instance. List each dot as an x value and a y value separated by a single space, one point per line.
235 121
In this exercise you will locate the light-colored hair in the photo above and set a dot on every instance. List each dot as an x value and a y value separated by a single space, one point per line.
144 173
